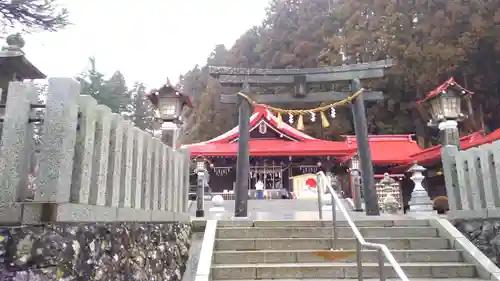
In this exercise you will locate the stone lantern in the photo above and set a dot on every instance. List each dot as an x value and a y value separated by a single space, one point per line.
355 174
169 102
445 103
202 180
420 202
14 66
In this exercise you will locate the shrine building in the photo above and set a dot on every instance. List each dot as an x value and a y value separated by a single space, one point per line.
286 159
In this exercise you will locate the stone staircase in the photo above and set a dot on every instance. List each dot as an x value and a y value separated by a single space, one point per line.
245 250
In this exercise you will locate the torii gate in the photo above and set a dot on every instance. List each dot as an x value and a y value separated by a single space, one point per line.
301 79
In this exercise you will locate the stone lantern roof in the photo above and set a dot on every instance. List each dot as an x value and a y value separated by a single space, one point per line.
13 63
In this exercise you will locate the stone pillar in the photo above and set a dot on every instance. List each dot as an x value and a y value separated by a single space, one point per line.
97 195
138 137
115 160
56 155
449 133
420 202
15 150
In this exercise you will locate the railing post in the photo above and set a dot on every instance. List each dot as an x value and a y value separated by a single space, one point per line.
175 181
146 172
359 260
57 152
15 149
101 156
334 220
82 169
163 178
381 268
115 160
180 188
157 149
126 166
137 167
448 156
168 176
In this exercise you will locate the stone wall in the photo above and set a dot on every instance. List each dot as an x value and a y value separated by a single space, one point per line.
95 251
484 234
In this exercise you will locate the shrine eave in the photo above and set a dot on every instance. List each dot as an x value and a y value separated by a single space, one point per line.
386 149
432 154
268 147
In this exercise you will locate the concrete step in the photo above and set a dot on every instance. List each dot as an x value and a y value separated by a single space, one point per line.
338 270
308 256
320 232
317 223
327 243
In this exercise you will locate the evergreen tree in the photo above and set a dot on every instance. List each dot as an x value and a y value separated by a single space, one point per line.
112 92
32 14
115 94
140 108
429 40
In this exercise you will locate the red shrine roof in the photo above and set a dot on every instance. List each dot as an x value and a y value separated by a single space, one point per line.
387 149
293 142
432 155
270 147
443 87
260 113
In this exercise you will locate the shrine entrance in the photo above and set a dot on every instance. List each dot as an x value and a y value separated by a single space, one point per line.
301 81
278 152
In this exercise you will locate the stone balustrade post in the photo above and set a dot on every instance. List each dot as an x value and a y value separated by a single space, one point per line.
115 160
100 158
82 169
57 153
137 168
126 166
15 150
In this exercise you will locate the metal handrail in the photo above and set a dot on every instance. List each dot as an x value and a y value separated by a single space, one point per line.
382 249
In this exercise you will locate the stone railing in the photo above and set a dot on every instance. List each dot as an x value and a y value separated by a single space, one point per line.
93 165
472 179
108 201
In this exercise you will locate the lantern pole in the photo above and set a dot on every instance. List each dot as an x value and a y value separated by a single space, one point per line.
356 184
201 180
449 133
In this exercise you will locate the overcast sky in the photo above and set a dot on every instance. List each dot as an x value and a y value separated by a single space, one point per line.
148 40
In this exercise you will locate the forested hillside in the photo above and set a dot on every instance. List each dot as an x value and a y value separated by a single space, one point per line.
431 40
